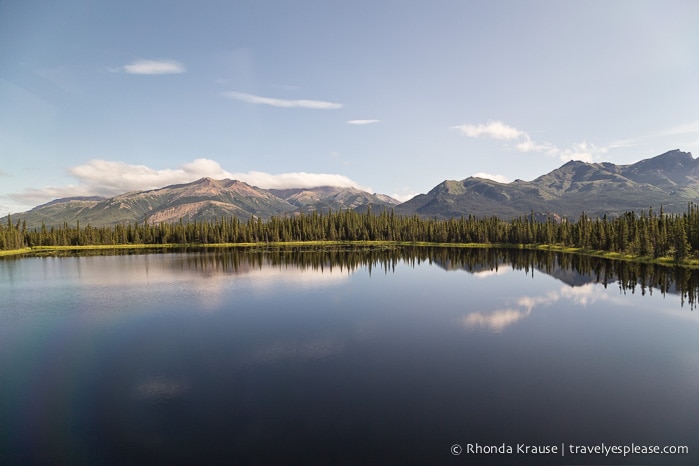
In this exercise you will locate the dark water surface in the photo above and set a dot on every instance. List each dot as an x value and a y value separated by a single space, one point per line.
345 357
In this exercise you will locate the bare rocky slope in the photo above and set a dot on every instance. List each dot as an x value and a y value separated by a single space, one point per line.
202 200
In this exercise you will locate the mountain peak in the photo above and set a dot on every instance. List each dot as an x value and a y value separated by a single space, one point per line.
671 157
673 167
206 181
669 180
574 163
202 199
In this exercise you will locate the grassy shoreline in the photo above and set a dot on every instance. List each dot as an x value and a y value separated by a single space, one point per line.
665 261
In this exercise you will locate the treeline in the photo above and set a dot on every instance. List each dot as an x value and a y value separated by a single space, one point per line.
648 234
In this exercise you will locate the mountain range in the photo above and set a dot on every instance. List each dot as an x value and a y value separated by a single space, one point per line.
670 180
201 200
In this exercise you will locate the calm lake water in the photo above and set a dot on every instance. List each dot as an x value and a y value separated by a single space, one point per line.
346 357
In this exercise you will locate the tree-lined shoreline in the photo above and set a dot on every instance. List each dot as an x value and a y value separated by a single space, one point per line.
648 236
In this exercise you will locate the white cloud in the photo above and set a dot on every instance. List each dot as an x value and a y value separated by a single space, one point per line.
584 151
362 122
36 196
495 321
108 178
491 273
296 180
529 145
530 302
284 103
583 295
403 197
501 318
488 176
153 67
492 130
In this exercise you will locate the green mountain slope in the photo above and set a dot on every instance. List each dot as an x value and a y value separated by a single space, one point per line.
669 180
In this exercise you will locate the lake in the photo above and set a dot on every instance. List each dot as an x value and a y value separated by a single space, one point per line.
347 356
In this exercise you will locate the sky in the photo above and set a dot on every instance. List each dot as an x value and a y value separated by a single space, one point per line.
101 98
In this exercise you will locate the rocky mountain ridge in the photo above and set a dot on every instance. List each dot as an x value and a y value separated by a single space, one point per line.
669 180
201 200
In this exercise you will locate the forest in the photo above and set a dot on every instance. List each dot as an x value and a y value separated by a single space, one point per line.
648 234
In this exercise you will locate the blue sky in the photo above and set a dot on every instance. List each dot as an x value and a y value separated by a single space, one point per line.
98 98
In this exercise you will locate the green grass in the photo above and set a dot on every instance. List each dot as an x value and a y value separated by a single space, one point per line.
665 261
14 252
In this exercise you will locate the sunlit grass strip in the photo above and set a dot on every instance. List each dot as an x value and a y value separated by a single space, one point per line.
322 243
15 252
666 261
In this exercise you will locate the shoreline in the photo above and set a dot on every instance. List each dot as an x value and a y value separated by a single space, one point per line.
663 261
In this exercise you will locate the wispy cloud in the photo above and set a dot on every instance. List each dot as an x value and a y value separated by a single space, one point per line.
685 128
283 103
362 122
530 302
35 196
152 67
107 178
584 151
492 130
529 145
689 128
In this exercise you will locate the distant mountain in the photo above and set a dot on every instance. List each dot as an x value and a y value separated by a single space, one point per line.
204 199
669 180
332 198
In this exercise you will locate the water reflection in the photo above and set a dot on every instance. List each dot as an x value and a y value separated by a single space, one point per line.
117 360
573 270
284 351
502 318
323 263
159 388
496 321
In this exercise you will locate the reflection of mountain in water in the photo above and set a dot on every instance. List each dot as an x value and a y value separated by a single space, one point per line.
570 276
577 271
573 270
565 274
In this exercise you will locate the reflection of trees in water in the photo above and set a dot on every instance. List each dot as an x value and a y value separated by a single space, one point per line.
631 276
572 269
